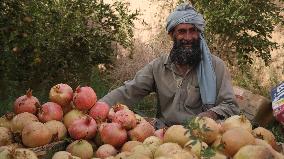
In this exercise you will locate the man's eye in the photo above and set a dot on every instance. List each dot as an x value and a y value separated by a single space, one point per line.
182 31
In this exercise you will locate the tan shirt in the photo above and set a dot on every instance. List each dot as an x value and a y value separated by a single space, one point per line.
178 97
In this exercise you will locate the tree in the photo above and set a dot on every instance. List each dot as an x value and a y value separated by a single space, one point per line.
240 29
46 42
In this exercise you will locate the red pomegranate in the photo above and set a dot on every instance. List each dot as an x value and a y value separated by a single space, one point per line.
99 111
84 98
141 131
26 103
83 128
61 94
114 109
126 118
113 134
72 116
119 107
50 111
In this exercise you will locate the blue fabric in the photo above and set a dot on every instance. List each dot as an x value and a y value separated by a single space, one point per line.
185 13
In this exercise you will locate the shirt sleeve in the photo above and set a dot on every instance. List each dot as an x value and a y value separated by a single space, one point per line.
226 105
133 90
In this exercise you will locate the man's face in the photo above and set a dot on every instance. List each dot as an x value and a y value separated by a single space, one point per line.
186 48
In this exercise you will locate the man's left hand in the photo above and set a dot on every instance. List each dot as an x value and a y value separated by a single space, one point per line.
209 114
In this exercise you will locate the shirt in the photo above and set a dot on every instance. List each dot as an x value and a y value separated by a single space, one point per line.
178 98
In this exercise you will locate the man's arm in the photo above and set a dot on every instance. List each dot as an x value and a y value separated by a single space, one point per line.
134 90
226 105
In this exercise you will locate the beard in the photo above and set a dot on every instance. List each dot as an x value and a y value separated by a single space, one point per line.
182 55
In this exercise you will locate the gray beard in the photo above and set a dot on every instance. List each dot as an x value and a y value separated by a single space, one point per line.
186 56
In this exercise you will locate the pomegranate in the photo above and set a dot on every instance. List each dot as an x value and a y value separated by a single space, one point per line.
218 155
99 111
216 144
129 145
12 146
183 155
84 98
208 129
5 153
195 147
119 107
6 120
176 134
235 138
50 111
141 131
160 133
266 135
61 94
83 128
26 103
113 134
123 155
6 136
253 152
167 149
276 155
139 118
21 120
143 150
126 118
23 153
114 109
152 143
81 148
71 116
105 151
236 121
36 134
136 156
57 129
62 155
66 109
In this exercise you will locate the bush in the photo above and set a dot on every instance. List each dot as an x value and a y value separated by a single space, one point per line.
43 43
241 29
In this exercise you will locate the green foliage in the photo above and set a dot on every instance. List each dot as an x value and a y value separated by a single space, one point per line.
208 153
43 43
278 130
195 129
238 30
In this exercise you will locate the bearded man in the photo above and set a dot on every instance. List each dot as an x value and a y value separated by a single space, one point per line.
188 81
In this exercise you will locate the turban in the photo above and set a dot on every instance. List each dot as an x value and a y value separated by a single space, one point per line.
185 13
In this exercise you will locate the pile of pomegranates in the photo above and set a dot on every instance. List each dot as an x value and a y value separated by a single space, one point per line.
98 130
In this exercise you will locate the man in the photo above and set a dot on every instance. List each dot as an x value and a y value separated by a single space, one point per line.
189 81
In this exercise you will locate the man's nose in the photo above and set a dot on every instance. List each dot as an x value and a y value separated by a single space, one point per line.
188 36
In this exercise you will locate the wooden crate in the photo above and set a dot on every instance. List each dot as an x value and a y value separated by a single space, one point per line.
47 151
257 108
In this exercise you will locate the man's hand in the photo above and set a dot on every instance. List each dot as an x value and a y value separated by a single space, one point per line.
209 114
